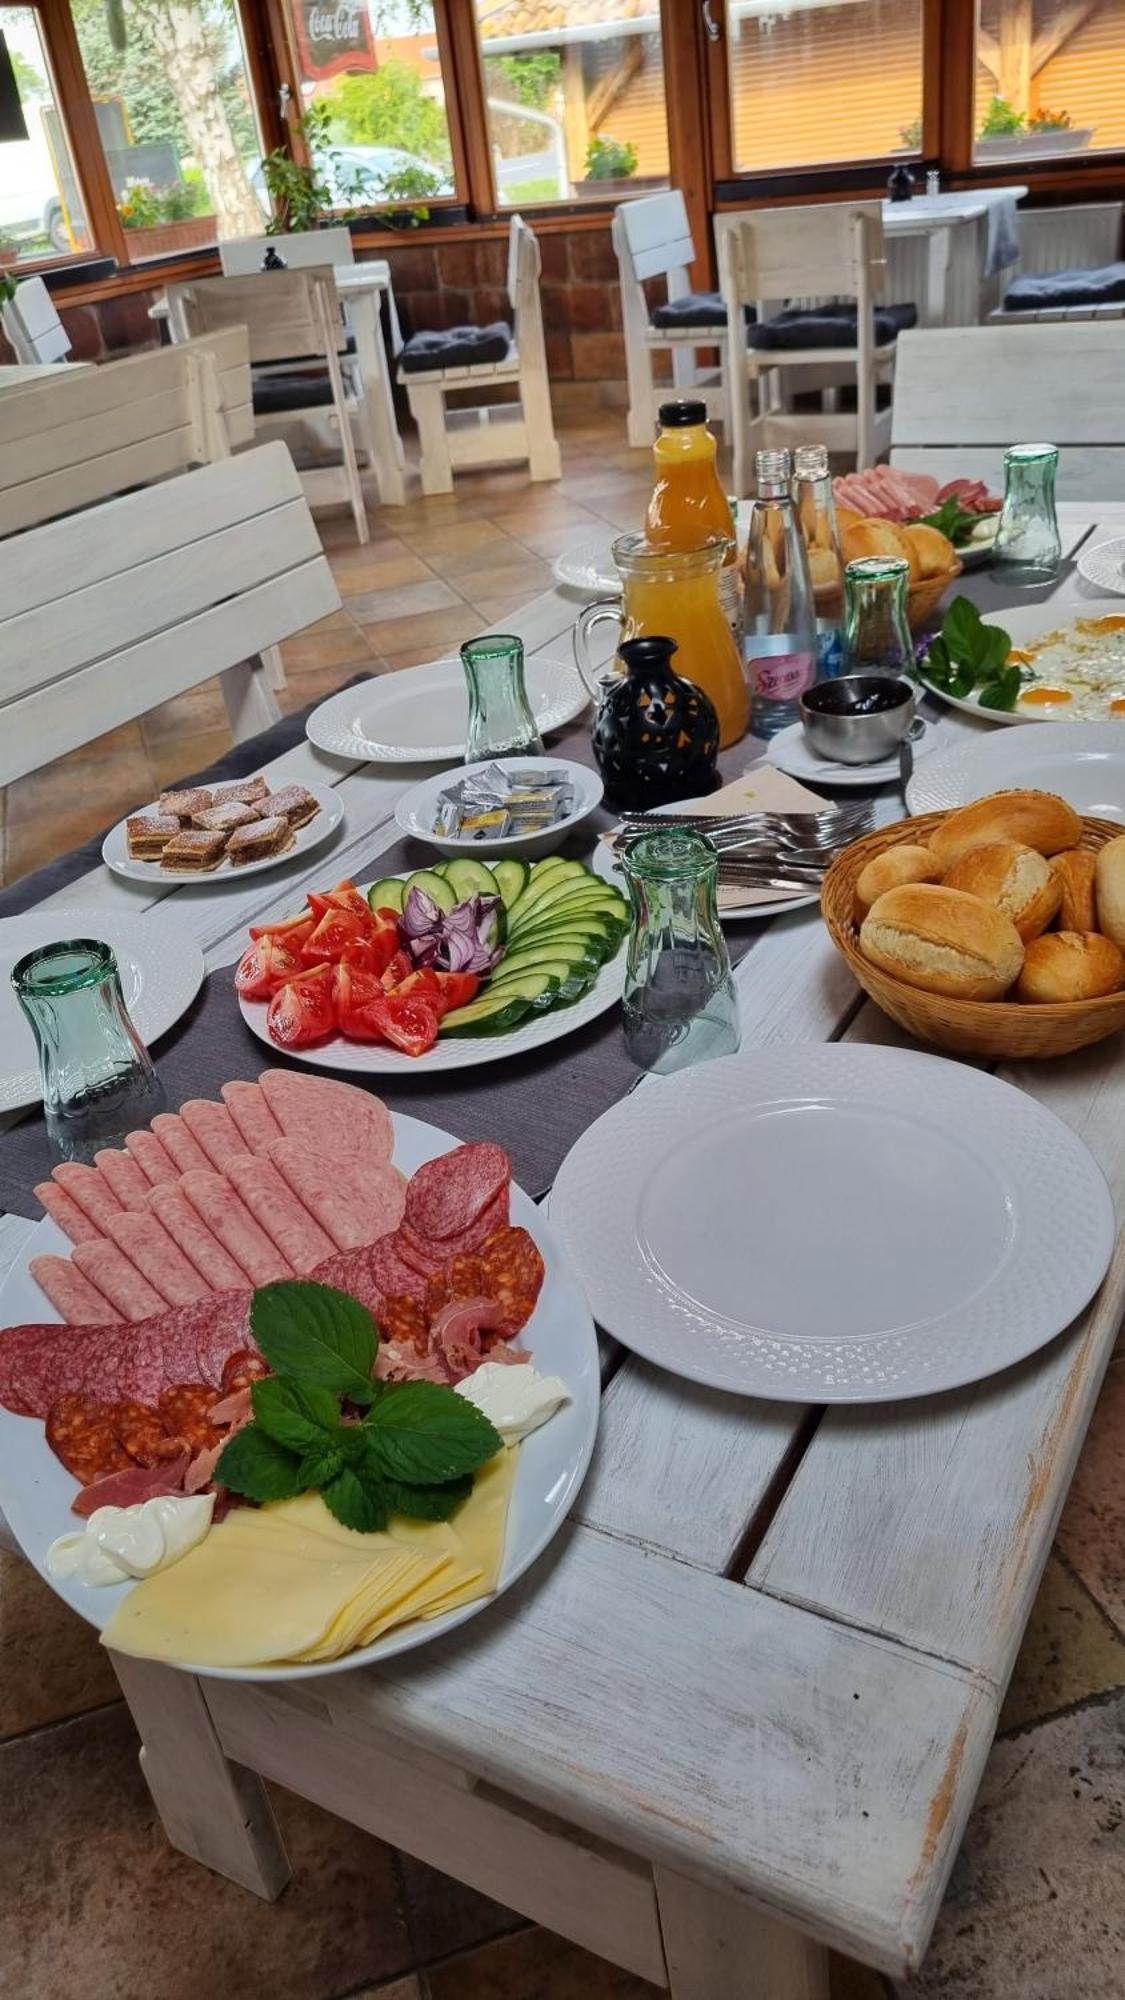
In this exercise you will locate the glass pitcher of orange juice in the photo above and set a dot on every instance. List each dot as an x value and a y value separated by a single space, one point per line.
674 593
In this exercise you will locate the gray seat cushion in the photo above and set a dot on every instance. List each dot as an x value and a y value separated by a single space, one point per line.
274 394
458 347
827 326
1038 289
693 309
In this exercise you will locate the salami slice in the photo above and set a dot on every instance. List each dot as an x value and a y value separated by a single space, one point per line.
329 1117
131 1486
121 1283
404 1321
285 1219
200 1246
512 1273
122 1176
71 1293
141 1432
462 1278
65 1211
423 1258
247 1105
86 1186
228 1218
186 1155
242 1368
213 1127
185 1412
144 1240
80 1433
336 1193
153 1161
388 1275
351 1271
446 1196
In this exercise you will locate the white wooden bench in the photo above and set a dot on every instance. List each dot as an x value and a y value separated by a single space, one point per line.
963 394
492 433
108 612
88 433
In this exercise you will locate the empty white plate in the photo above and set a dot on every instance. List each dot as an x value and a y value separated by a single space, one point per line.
421 716
1081 761
588 568
833 1223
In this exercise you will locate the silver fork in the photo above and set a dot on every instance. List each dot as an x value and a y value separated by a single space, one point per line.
828 821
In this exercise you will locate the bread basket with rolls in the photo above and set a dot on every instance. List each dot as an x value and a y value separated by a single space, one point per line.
997 930
934 562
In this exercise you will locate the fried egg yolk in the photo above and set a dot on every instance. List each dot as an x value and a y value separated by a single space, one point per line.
1045 697
1117 707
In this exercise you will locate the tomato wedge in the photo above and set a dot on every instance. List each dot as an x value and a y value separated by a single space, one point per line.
303 1011
265 965
355 990
400 965
294 930
424 981
374 951
412 1022
345 896
457 988
335 929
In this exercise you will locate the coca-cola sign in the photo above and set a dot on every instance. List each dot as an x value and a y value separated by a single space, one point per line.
333 35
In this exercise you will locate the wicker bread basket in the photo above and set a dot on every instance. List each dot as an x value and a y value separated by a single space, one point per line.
1002 1030
923 597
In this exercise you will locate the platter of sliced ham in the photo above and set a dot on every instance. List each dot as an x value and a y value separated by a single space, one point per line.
887 493
126 1355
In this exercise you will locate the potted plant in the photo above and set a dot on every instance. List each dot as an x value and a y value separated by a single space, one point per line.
162 221
610 166
1006 133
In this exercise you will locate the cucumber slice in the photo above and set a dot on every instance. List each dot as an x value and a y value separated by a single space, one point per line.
601 933
498 1010
551 951
389 893
544 878
564 900
573 977
470 878
511 879
432 885
557 971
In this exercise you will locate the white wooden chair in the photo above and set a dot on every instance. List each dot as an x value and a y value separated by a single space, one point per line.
1083 238
496 433
241 256
109 612
297 341
832 252
70 441
32 325
963 394
652 239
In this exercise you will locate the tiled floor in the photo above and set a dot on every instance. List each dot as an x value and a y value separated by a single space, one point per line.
96 1906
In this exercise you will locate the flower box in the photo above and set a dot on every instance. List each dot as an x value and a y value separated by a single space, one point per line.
166 239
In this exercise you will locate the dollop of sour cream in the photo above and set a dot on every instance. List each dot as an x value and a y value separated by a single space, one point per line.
122 1542
514 1399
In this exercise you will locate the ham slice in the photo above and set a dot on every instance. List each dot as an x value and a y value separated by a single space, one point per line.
151 1158
122 1176
216 1203
89 1189
215 1130
285 1219
147 1244
327 1117
65 1211
199 1244
247 1105
130 1487
117 1278
354 1202
185 1153
73 1295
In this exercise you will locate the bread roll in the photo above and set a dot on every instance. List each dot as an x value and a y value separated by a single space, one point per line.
1070 965
1075 871
935 552
846 517
943 941
1038 819
1109 889
1014 879
878 538
892 868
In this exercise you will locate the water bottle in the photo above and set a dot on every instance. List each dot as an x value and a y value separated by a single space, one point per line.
816 511
779 638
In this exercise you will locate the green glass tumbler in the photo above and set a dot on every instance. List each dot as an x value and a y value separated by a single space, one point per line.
97 1076
680 1003
501 723
876 627
1028 546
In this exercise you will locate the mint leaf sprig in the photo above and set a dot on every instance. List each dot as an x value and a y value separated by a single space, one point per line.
413 1452
953 521
968 654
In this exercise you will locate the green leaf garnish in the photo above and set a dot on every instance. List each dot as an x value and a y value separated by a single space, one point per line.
256 1465
953 521
427 1503
425 1434
314 1333
297 1414
968 654
357 1502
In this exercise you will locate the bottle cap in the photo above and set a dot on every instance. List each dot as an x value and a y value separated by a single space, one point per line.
674 416
773 470
810 461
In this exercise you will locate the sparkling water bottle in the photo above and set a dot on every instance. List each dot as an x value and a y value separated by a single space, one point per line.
779 639
816 511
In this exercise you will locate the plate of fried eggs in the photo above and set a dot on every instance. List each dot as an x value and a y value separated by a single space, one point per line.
1073 672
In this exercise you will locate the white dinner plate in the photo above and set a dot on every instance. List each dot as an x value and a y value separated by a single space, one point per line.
1104 565
607 864
421 716
1081 761
161 969
456 1051
115 847
790 751
589 569
36 1490
1025 624
833 1223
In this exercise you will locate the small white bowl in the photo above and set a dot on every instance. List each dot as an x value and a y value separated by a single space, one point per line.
417 809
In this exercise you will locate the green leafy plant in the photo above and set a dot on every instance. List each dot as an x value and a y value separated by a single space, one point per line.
388 107
953 521
610 160
1001 120
8 287
968 654
532 77
139 207
911 135
413 1450
407 184
182 201
1049 121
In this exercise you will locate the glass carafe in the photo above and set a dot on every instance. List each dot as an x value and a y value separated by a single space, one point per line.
98 1081
680 1002
501 723
674 594
1028 548
876 630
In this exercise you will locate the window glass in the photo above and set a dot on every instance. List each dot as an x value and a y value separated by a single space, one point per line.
1050 78
575 98
373 100
176 116
818 81
40 200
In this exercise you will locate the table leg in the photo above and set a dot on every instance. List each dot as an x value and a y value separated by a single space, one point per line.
363 311
939 249
214 1811
250 702
716 1944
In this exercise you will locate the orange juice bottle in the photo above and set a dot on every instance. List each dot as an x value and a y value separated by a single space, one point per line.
688 504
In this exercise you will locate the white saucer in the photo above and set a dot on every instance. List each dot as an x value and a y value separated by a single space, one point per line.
1104 565
790 752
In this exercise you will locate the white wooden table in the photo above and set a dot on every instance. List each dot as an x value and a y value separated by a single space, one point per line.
937 255
740 1710
18 374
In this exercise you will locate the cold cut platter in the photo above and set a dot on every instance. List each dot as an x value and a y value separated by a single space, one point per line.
288 1384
